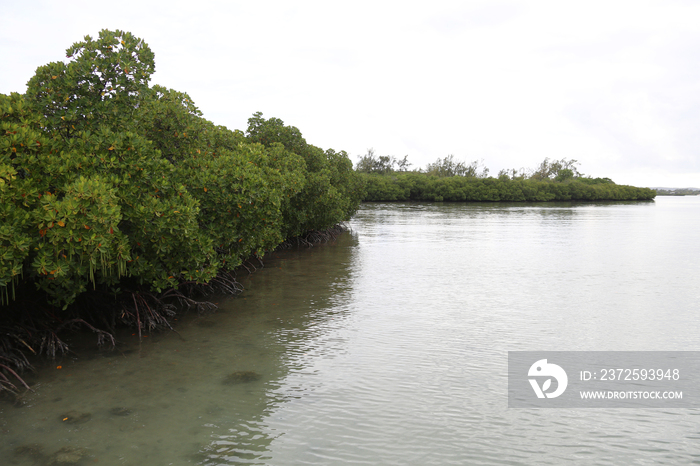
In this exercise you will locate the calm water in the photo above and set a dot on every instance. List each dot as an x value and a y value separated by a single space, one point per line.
390 346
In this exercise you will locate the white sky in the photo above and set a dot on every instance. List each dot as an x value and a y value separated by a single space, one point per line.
613 84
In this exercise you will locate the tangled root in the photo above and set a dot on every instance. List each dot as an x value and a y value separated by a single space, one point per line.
313 237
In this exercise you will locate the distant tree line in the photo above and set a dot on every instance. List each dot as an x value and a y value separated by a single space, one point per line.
448 179
677 192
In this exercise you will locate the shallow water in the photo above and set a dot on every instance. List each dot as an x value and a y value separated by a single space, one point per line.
389 346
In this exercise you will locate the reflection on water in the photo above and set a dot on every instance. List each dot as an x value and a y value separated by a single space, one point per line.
390 345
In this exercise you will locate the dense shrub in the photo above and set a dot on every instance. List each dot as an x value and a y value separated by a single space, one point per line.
109 184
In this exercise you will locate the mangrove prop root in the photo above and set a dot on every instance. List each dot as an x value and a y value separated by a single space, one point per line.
51 344
245 267
312 237
255 269
101 334
5 382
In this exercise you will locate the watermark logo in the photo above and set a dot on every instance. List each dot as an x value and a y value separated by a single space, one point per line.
543 369
604 379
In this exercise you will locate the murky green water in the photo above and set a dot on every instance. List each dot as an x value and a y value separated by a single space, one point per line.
390 346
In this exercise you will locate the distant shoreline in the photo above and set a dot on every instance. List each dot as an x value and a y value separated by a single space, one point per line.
677 191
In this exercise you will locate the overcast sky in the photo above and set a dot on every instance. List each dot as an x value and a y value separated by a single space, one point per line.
613 84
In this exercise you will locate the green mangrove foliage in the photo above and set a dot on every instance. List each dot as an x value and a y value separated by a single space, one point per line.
383 164
449 167
332 190
109 184
451 180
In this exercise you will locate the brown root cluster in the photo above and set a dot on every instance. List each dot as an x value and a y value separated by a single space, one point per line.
31 327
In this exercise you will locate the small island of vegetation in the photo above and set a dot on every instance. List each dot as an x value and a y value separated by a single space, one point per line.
387 178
